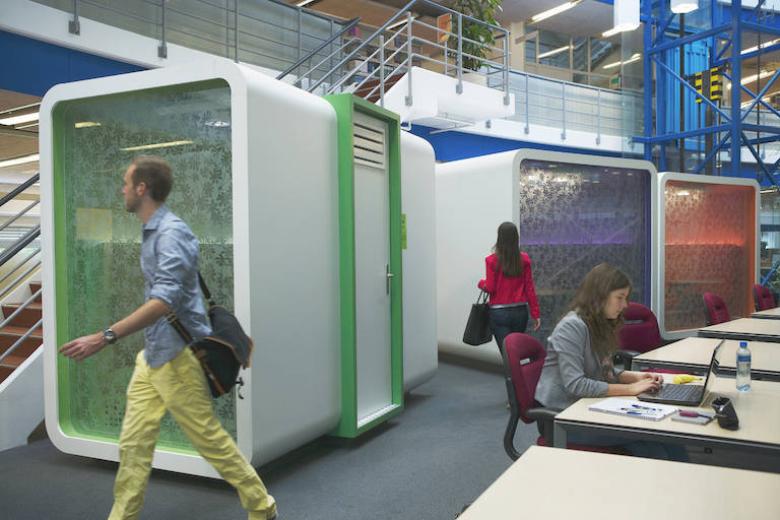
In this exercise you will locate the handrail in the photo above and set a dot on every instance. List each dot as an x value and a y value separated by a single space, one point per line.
11 286
16 191
16 267
352 23
20 244
21 340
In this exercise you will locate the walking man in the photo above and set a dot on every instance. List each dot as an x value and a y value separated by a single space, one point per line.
167 375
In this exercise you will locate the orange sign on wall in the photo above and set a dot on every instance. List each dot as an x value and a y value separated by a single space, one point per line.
444 24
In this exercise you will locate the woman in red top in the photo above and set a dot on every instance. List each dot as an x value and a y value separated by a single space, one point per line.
510 284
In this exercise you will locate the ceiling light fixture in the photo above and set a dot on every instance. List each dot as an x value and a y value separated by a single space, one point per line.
684 6
155 146
18 120
86 124
634 58
762 46
555 10
305 3
19 160
554 52
399 23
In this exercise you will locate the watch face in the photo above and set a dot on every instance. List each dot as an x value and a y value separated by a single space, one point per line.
109 335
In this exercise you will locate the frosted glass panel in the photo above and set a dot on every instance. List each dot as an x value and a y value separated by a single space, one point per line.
98 243
709 247
573 217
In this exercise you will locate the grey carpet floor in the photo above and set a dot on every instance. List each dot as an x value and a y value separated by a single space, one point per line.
442 452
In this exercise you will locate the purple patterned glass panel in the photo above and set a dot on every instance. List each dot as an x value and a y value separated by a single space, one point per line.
710 243
573 217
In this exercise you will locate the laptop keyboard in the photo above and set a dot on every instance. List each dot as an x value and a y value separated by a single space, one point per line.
679 392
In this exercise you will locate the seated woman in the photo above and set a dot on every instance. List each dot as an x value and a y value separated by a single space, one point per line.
579 358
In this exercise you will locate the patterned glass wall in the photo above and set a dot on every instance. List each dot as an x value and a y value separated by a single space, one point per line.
573 217
98 243
709 247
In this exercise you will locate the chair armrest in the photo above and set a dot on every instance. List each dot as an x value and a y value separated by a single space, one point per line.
545 418
624 357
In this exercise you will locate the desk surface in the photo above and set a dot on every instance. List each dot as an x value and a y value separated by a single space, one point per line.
768 313
552 483
758 412
698 352
744 327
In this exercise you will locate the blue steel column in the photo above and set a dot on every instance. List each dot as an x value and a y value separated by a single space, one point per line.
660 94
648 77
736 78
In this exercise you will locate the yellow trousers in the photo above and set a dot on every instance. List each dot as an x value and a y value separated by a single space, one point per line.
180 387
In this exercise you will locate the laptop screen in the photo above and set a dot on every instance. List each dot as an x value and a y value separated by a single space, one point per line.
714 366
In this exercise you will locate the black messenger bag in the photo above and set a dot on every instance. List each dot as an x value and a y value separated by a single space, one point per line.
222 354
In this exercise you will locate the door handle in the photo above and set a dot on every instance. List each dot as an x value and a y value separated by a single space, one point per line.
388 277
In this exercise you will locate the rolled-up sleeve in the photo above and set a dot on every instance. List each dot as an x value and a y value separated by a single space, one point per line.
175 261
569 341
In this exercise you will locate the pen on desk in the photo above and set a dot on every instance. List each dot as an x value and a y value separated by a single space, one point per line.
648 408
692 413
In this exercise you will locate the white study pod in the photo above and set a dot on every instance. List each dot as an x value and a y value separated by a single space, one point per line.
254 164
573 211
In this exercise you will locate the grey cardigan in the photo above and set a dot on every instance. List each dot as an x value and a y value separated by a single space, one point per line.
571 369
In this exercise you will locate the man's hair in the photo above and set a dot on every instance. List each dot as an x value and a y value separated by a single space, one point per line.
155 172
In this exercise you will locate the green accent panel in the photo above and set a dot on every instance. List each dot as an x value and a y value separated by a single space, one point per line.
345 106
403 231
97 242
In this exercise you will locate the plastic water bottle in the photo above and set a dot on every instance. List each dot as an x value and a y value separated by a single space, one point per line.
743 367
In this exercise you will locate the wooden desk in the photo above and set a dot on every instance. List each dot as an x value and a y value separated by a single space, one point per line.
748 329
758 412
546 483
693 355
768 314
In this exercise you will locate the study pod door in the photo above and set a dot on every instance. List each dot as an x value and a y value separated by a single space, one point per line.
370 264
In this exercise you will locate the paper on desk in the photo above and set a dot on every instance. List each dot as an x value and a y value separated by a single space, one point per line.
633 408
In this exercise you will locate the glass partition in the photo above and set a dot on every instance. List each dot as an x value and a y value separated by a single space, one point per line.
573 217
97 243
709 246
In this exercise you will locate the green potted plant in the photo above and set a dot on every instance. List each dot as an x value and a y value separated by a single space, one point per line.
484 10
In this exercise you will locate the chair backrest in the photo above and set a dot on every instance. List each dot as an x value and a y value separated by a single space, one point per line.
524 358
763 297
640 330
715 309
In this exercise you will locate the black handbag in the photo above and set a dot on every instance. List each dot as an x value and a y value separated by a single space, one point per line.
478 326
222 354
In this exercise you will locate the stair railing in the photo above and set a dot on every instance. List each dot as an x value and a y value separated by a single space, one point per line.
373 52
335 38
20 244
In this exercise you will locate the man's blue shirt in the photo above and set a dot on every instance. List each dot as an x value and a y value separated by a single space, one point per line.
169 262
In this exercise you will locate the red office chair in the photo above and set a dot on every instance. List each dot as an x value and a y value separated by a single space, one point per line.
523 361
639 333
715 310
763 297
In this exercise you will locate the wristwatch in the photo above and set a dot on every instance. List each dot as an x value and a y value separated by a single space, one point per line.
110 336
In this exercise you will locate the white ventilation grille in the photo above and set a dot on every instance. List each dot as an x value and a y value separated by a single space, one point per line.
369 142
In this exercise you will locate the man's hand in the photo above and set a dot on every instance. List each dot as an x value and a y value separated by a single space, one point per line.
83 347
537 323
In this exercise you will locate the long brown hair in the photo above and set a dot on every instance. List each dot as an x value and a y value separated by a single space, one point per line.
589 304
507 249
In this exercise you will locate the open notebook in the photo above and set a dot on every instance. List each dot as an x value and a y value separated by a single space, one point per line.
633 408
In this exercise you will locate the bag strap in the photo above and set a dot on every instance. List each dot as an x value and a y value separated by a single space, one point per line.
483 296
174 320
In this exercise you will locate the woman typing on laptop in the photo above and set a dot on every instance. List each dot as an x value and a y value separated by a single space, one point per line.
579 358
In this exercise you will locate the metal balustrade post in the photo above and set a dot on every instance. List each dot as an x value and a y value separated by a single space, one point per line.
330 53
235 31
459 87
563 111
382 70
74 27
409 51
598 117
162 49
527 105
300 35
506 68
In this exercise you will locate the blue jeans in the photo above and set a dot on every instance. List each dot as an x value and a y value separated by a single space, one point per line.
650 450
506 320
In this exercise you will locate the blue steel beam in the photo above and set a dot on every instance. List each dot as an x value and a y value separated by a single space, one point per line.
662 30
747 55
752 95
711 154
749 127
683 135
760 95
755 154
761 28
688 39
647 93
736 74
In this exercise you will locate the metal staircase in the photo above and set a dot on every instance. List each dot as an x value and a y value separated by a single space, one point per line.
370 66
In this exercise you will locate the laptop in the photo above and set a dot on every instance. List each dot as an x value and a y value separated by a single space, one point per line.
685 395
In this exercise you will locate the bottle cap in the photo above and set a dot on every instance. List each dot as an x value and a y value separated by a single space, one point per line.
743 344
